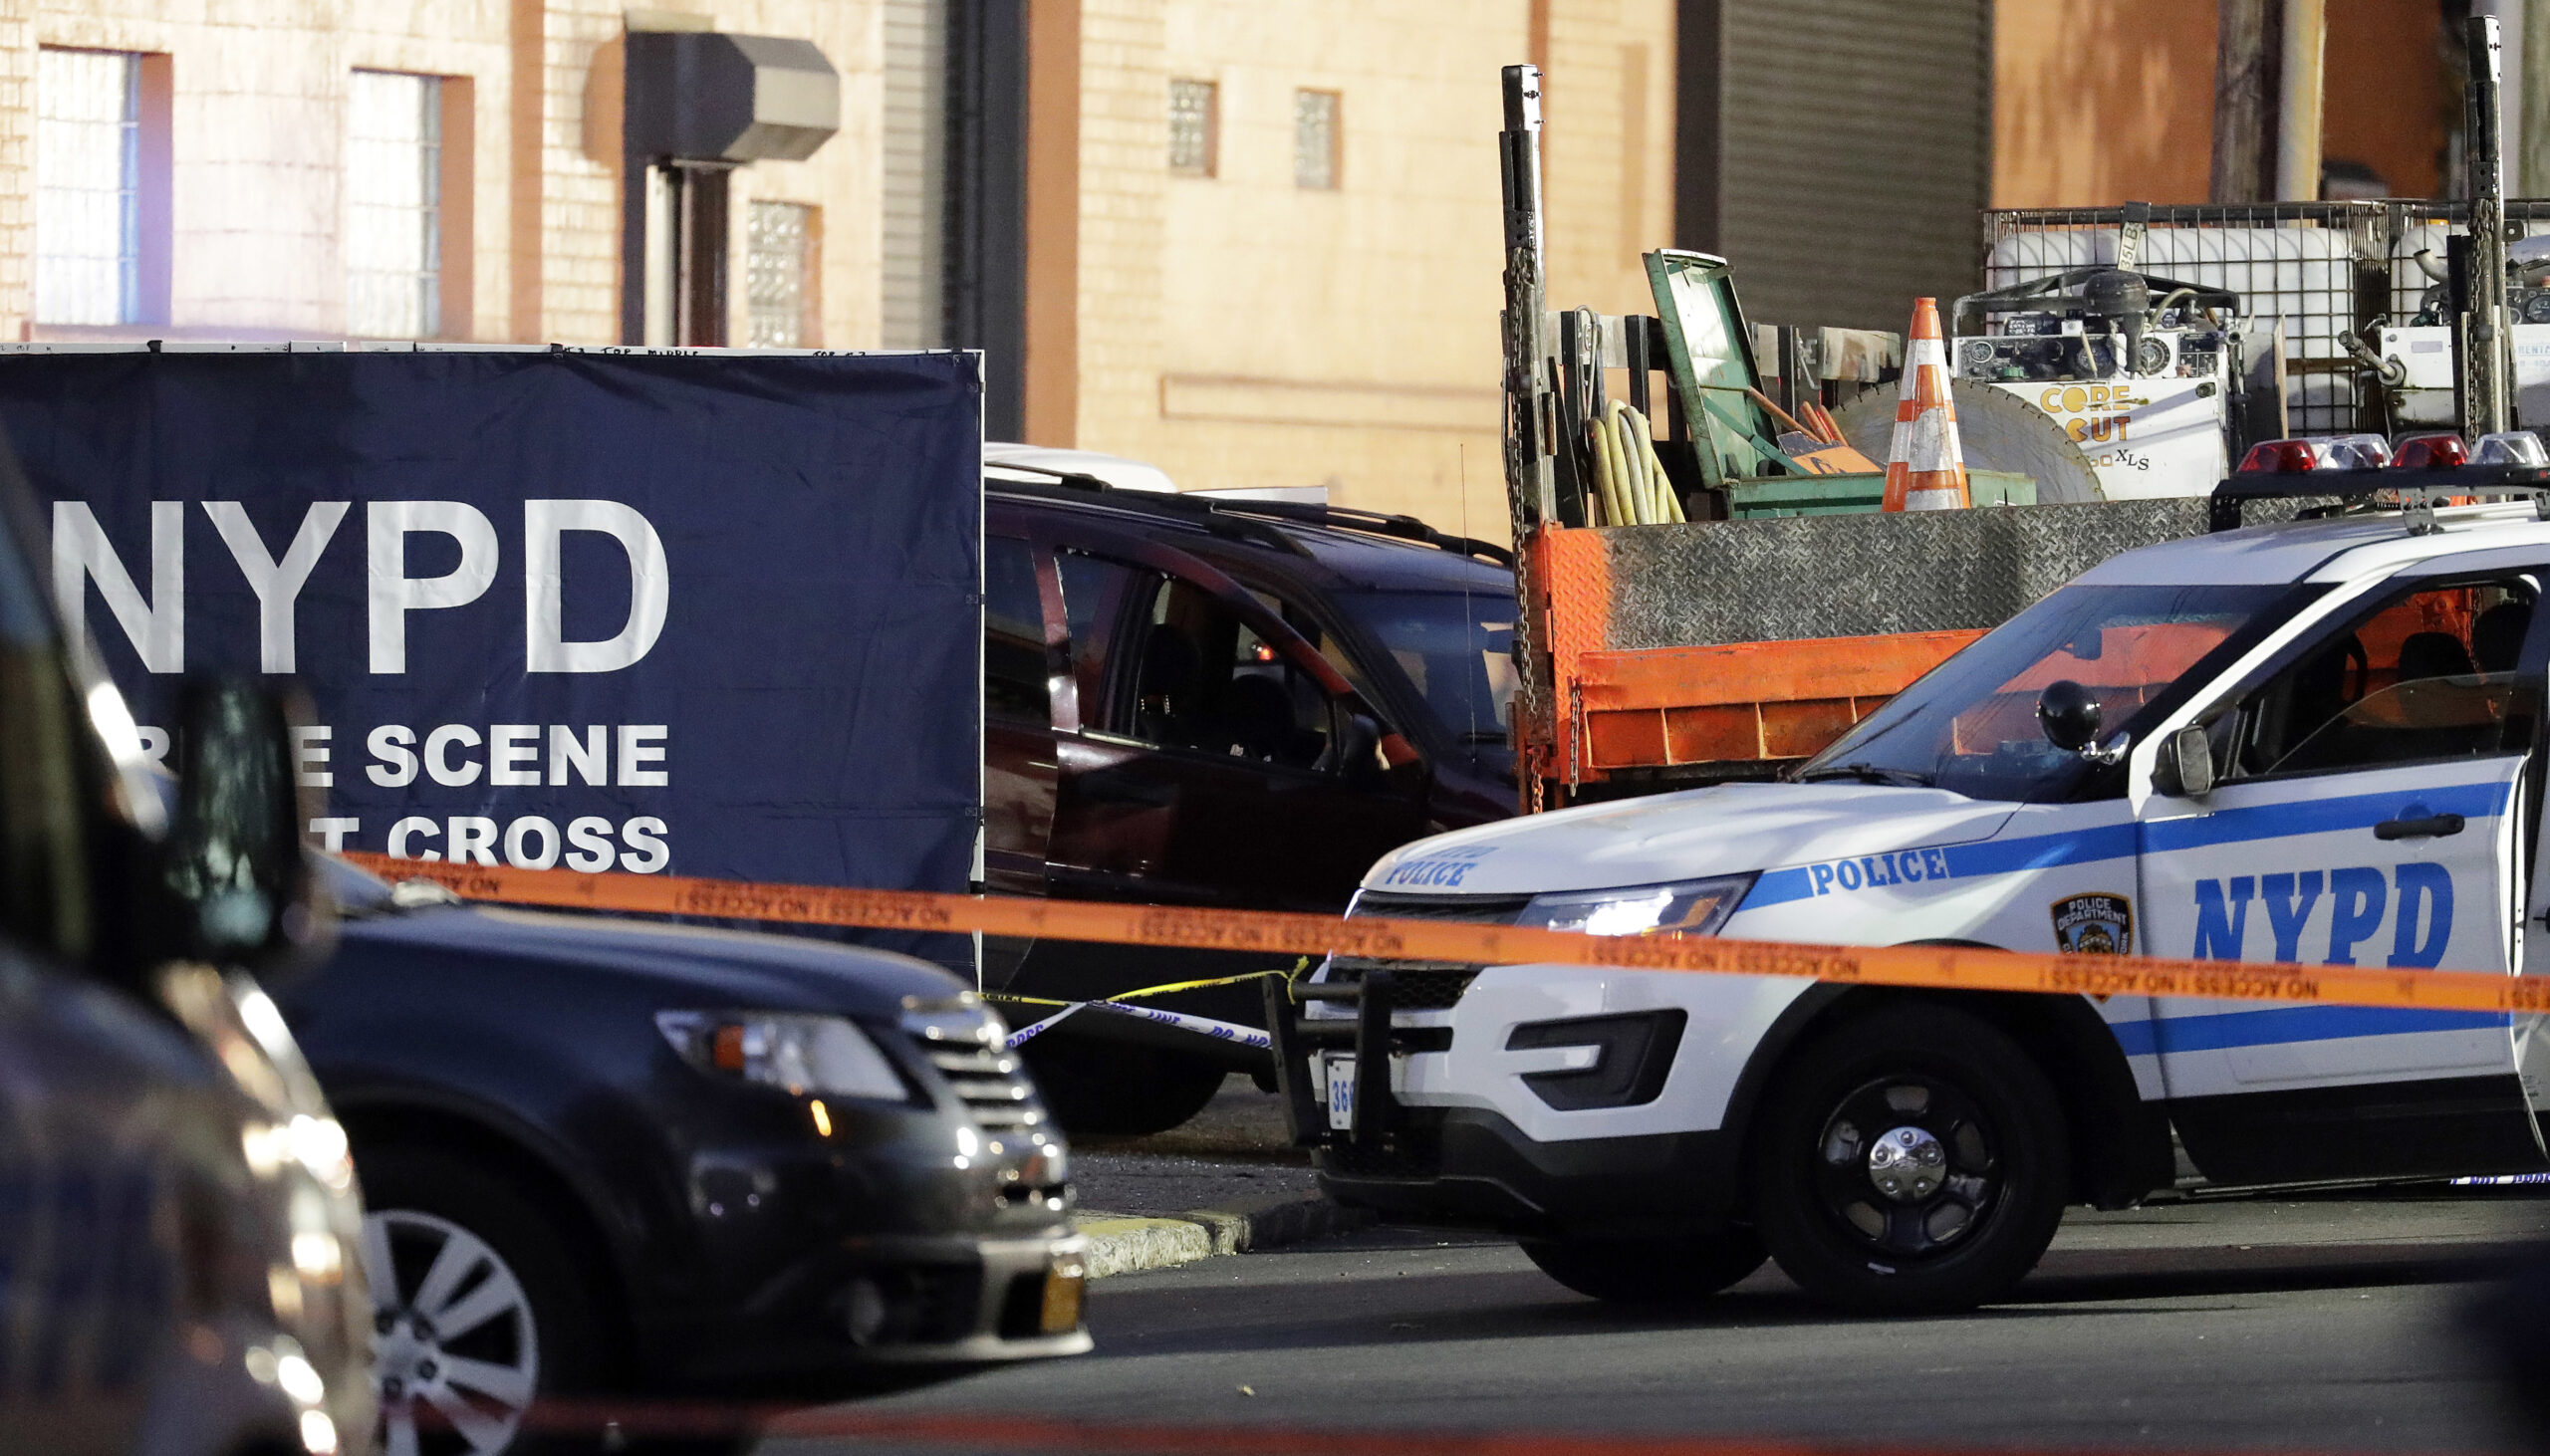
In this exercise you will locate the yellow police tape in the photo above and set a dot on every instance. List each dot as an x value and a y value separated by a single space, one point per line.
1269 932
1300 965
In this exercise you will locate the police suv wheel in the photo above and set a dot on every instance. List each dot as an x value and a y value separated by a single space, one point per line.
1652 1272
1910 1160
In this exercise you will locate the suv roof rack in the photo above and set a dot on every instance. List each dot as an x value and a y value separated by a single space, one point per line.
1243 518
2418 492
1374 523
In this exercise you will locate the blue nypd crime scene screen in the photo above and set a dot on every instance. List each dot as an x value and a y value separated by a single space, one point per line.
705 615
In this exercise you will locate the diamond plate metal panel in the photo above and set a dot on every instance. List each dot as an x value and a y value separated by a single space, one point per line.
1849 575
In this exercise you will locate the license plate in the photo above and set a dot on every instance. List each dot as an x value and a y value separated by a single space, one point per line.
1341 1094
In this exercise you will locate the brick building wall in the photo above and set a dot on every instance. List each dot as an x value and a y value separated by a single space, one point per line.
1240 330
257 156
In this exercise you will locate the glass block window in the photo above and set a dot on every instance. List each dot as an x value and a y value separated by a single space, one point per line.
393 205
1194 123
1315 139
88 187
780 256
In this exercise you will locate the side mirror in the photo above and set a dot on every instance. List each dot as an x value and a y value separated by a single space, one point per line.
2067 715
2184 769
1359 750
234 859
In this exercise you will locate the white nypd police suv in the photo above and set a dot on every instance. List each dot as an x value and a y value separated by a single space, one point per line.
2315 742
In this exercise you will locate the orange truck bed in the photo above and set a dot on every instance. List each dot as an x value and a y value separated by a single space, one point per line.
1732 704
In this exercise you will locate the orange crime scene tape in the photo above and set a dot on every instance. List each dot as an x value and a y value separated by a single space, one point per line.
1940 967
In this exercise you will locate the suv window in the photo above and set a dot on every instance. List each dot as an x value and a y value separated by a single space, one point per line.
1196 675
1094 591
1013 634
2429 676
1241 697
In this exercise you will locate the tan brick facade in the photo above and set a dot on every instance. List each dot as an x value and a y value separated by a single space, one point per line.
257 143
1240 330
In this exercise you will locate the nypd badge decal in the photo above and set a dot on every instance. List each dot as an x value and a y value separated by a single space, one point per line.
2094 924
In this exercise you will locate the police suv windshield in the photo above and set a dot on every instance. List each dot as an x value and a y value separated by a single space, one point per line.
1970 727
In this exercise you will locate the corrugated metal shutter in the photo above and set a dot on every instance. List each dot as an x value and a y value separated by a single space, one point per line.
1856 156
914 174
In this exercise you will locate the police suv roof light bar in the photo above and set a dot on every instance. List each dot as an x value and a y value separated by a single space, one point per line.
2417 492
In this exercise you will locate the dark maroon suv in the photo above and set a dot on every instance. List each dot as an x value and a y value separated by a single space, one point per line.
1216 704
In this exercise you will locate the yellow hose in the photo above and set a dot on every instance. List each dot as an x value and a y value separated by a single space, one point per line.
1642 491
1609 477
1631 486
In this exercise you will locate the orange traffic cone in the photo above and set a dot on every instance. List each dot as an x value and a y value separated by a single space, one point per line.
1925 468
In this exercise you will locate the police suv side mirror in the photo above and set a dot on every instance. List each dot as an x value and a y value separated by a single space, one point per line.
2184 769
234 859
2068 714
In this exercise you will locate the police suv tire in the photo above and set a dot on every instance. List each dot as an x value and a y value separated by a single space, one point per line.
406 1180
1119 1088
1658 1273
1959 1086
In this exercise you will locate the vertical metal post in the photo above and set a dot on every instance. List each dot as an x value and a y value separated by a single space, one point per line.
1531 413
1528 412
2488 362
657 294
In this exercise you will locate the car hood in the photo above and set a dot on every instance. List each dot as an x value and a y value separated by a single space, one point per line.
1728 828
696 965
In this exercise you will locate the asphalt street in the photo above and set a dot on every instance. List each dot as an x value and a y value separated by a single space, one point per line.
2303 1323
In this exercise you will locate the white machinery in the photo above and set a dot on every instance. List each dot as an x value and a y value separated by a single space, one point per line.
2141 372
2417 357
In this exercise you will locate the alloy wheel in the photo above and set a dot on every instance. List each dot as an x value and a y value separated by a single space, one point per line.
455 1351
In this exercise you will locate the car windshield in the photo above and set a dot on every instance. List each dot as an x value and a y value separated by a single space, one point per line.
1971 724
1456 649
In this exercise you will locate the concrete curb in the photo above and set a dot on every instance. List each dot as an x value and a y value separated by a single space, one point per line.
1120 1243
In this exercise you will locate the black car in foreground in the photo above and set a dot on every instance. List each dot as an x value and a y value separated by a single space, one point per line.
604 1157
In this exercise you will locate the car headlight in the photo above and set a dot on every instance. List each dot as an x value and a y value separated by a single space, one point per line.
799 1051
1688 907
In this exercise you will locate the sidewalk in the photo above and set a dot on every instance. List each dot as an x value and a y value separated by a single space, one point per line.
1227 1182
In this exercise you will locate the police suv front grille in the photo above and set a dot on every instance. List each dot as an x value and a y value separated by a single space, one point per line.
1469 909
1427 990
1417 985
988 1079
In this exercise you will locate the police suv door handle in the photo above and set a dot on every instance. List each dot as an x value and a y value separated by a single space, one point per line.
2430 827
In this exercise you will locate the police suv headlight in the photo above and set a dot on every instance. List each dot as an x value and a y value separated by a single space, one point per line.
1688 907
798 1052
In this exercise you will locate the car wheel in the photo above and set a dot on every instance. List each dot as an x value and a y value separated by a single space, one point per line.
1096 1087
1666 1272
480 1308
1912 1161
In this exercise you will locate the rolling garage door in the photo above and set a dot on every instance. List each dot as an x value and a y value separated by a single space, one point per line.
1855 155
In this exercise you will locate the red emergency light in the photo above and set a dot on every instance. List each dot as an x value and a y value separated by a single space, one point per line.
2440 451
2281 457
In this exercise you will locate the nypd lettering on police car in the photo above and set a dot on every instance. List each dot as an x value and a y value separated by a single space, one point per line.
2359 899
1441 869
